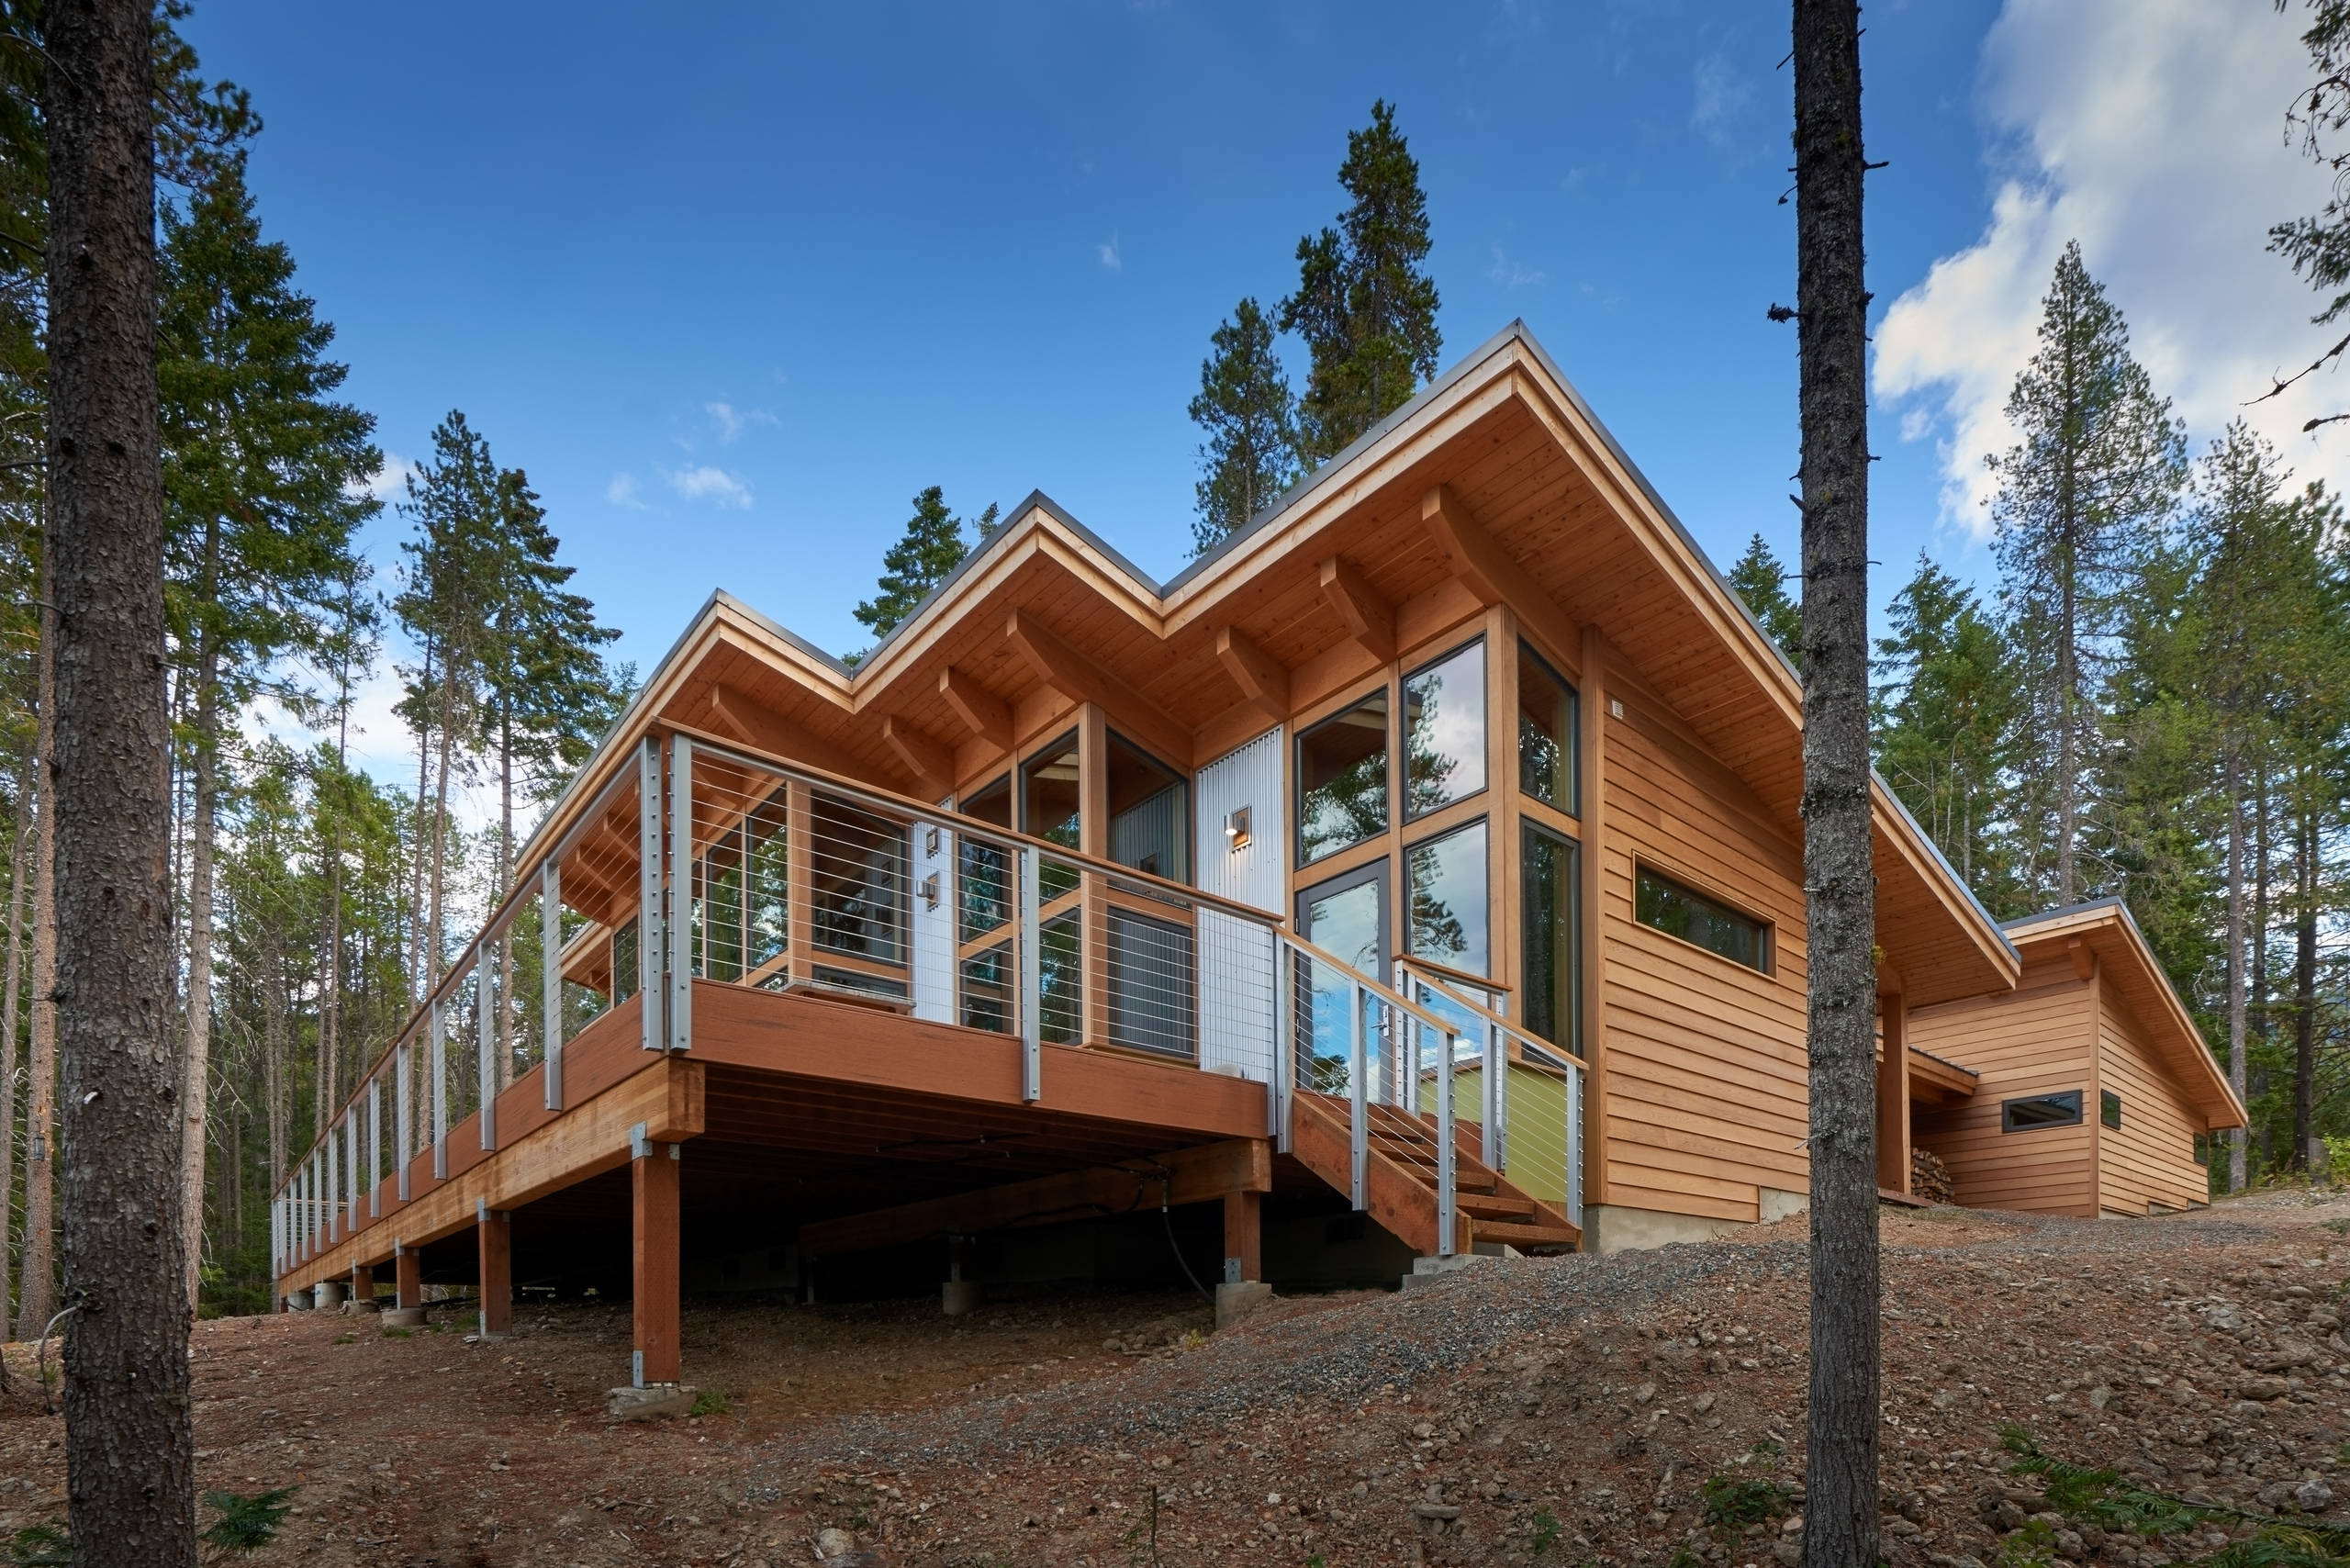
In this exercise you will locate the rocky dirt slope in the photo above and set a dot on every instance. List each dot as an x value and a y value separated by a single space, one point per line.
1643 1408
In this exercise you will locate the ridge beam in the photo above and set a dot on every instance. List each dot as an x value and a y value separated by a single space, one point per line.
1493 574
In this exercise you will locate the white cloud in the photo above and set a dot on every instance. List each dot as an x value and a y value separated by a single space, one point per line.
389 483
705 483
1719 95
1109 255
1510 273
732 422
621 492
2152 132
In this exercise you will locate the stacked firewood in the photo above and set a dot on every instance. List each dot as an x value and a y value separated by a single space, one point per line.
1929 1179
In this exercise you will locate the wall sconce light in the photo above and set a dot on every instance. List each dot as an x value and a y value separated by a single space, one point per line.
930 844
930 892
1236 828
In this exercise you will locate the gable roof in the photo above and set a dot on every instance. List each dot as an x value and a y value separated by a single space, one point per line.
2105 928
1535 490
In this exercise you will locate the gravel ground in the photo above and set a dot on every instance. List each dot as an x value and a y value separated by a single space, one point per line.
1645 1408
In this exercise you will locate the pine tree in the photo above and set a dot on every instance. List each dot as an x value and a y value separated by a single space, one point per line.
1945 697
1244 404
1762 582
931 546
1364 307
2081 495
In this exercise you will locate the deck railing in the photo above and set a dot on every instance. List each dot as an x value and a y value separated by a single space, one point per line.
710 860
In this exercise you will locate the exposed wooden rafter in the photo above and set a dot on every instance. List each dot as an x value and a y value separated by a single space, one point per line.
982 712
1369 619
732 713
929 759
1083 679
1490 573
1262 679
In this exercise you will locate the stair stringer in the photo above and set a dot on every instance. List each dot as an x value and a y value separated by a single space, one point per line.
1392 1194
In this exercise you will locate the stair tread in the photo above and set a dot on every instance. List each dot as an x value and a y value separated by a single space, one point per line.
1487 1207
1533 1235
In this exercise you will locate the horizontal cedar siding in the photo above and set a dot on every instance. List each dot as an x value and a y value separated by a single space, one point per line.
2035 1040
1706 1064
2151 1157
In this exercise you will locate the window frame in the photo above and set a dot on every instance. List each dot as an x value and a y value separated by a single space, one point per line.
1528 829
1187 831
1571 762
1480 824
1766 941
2053 1096
1399 733
1384 690
2108 1110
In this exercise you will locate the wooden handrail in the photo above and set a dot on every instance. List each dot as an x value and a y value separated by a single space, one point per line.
1425 971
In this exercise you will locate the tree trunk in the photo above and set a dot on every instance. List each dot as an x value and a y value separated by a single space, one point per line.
36 1278
434 947
2305 902
195 1075
2236 1042
129 1444
506 987
2257 1003
8 1016
1831 314
417 985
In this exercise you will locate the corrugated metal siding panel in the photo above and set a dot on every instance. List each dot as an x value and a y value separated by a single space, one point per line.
1250 776
933 927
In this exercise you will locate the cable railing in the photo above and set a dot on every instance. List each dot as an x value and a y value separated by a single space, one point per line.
714 862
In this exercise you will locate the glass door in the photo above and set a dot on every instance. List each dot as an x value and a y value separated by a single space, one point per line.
1347 918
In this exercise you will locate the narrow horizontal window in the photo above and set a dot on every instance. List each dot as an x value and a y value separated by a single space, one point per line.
2108 1108
1683 911
2040 1111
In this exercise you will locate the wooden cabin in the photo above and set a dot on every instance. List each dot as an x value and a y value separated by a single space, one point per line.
1416 874
2094 1093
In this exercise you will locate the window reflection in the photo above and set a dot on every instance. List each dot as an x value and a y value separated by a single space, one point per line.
859 881
1547 878
1444 731
1051 807
1445 881
984 899
1342 779
1149 812
1546 733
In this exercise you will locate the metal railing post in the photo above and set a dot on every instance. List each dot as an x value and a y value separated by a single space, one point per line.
351 1170
679 925
551 977
1448 1201
335 1190
486 1041
1357 1099
1574 1144
375 1146
403 1117
651 984
1497 1093
1032 984
1284 1042
440 1095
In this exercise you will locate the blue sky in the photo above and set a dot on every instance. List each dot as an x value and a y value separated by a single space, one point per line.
732 282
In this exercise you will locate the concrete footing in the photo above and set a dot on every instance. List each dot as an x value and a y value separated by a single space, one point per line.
327 1295
651 1402
1235 1302
1427 1271
402 1318
958 1298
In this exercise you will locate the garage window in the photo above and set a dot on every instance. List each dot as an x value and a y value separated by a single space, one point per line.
2040 1111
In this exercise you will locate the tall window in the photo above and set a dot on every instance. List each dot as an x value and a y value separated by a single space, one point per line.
859 881
741 892
1552 1006
1150 812
1445 884
1683 911
1342 779
1051 807
1444 731
984 896
1546 733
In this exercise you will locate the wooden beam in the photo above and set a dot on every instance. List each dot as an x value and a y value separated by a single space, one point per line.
1244 1234
732 713
1492 574
1262 679
494 1240
1185 1176
1369 619
982 712
2084 957
1062 669
930 760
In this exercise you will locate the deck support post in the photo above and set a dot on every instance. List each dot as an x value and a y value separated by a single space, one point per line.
959 1296
1893 1096
495 1230
407 1277
363 1284
654 1177
1243 1238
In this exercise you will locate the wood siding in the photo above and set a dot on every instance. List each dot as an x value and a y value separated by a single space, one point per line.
2151 1159
1704 1099
2039 1039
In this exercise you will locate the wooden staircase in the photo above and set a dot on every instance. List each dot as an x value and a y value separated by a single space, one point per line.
1400 1180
